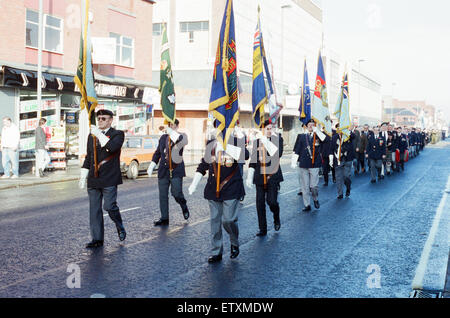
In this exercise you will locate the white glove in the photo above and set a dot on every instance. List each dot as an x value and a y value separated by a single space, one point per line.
319 133
259 135
173 134
331 159
249 181
83 176
294 161
150 168
271 148
197 177
238 132
100 136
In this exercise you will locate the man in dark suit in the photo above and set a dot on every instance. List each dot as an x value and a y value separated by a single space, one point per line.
341 157
102 181
307 156
376 152
265 172
171 171
402 146
362 147
326 149
223 204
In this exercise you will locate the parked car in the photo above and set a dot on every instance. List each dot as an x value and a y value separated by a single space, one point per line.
137 153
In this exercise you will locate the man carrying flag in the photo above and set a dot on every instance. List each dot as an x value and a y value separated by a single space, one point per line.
169 153
101 167
224 187
342 142
264 169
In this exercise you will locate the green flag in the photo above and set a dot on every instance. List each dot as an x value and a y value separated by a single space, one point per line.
166 87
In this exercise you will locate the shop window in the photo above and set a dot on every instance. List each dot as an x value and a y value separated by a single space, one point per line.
148 143
194 26
52 33
124 50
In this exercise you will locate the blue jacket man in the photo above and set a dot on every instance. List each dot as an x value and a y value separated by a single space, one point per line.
376 152
171 171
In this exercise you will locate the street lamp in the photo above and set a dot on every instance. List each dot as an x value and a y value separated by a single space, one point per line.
392 103
285 6
359 82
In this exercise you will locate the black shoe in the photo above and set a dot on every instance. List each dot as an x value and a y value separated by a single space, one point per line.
261 233
373 181
347 193
307 208
334 180
234 251
300 193
316 204
325 184
94 244
161 222
277 226
186 212
382 177
215 258
122 234
242 199
341 196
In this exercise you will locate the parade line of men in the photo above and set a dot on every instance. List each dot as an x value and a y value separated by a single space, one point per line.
383 149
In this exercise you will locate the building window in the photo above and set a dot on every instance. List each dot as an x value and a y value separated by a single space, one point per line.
124 50
158 28
194 26
52 35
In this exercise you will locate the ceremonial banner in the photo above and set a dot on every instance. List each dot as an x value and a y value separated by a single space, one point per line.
223 102
84 78
305 100
320 112
342 111
166 86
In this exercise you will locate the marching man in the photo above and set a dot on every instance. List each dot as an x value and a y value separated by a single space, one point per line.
103 179
265 172
307 156
171 171
224 198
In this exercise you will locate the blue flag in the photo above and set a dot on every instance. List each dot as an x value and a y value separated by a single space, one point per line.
305 100
223 102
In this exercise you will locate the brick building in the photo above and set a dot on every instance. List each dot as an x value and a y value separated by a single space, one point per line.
122 64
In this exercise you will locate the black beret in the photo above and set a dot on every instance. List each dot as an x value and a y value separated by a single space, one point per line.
382 124
267 122
311 121
104 112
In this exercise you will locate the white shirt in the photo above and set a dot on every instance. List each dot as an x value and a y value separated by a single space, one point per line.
10 136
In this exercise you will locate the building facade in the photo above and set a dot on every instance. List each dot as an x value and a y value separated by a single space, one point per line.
122 66
415 113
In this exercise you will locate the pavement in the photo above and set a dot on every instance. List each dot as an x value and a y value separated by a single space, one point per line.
375 243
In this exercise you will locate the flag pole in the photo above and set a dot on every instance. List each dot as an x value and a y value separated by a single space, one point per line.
218 175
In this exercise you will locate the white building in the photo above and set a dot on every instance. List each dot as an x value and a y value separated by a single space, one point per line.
292 31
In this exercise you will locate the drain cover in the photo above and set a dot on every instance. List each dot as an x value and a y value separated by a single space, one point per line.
425 294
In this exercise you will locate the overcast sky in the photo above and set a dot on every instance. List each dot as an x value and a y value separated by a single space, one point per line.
402 41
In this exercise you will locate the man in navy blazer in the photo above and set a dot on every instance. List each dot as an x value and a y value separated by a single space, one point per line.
102 181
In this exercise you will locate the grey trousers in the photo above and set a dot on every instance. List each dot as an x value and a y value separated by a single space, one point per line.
223 213
108 196
309 180
176 188
343 173
375 165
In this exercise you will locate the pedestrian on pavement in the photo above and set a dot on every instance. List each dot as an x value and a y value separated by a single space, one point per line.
103 179
171 171
10 148
265 172
41 147
223 199
342 157
376 152
307 156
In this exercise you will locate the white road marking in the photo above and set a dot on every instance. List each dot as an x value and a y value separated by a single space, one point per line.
126 210
421 268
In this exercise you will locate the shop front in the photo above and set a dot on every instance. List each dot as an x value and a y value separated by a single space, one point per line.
61 107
